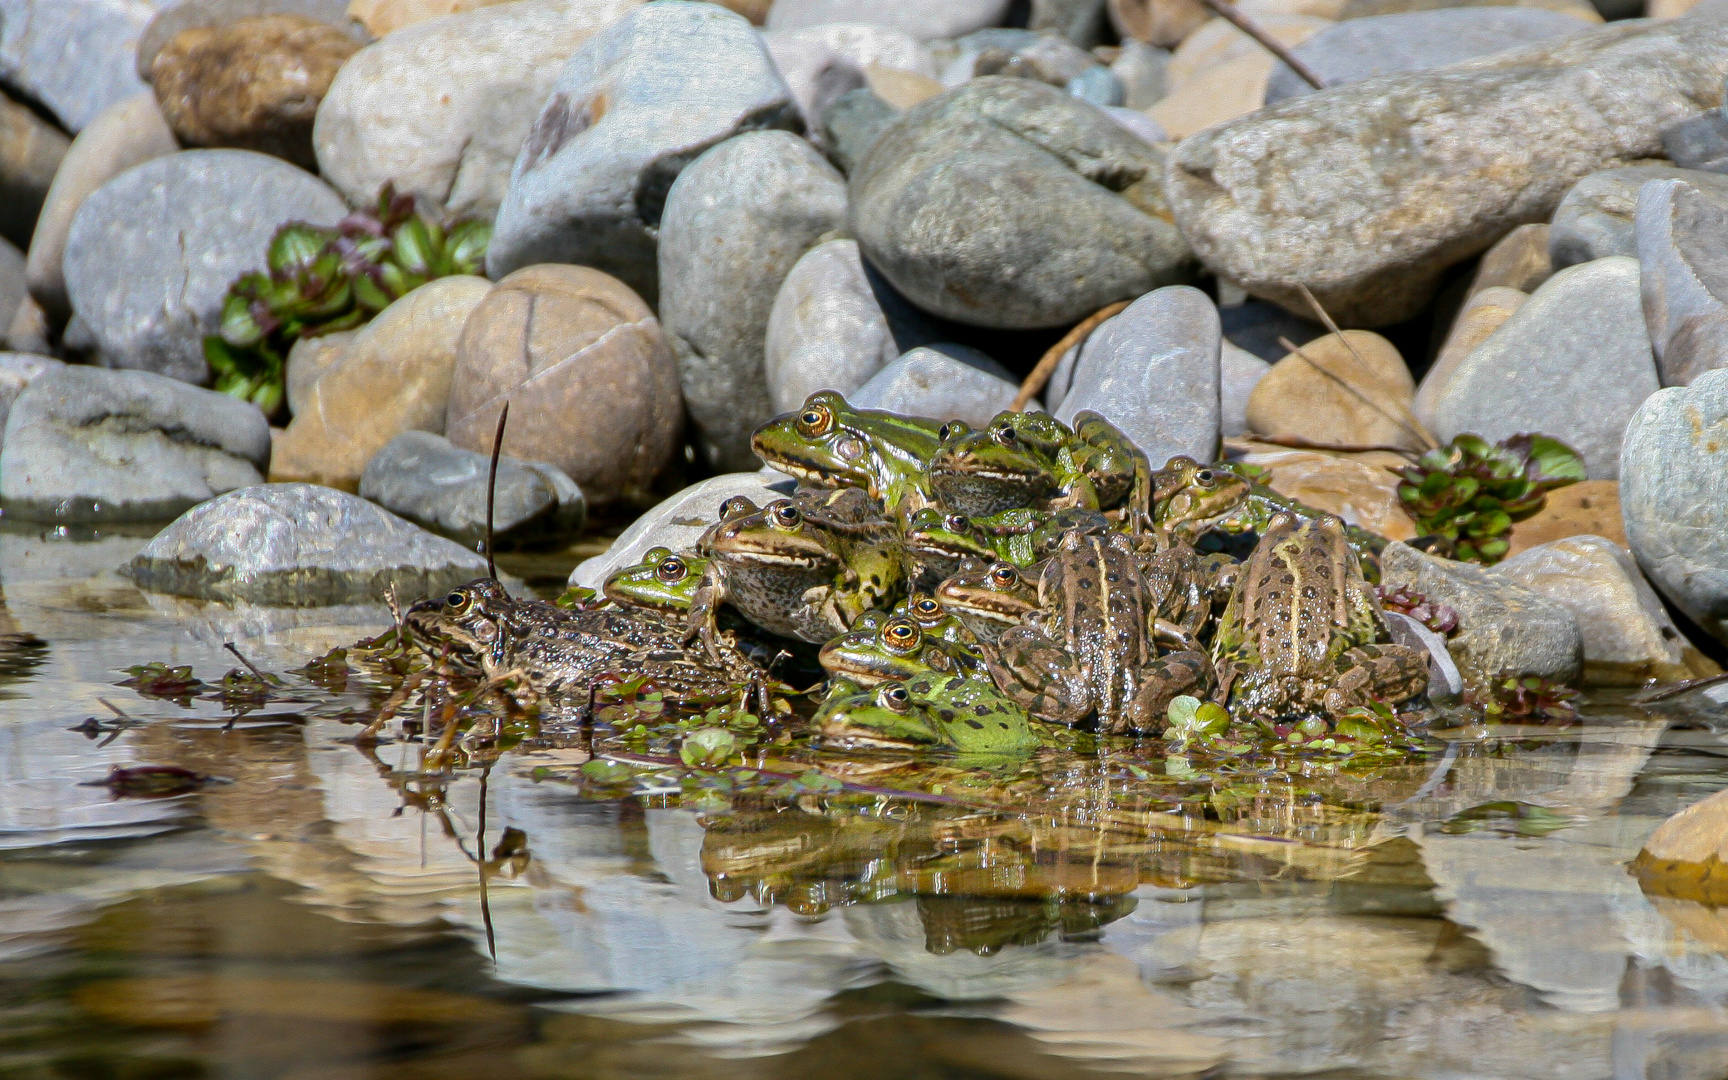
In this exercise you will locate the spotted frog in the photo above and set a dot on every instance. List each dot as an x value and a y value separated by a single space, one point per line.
1032 460
1303 633
969 715
938 542
829 444
989 598
897 649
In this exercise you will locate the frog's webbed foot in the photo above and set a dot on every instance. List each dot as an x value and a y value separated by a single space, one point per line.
1376 673
704 617
1040 675
1163 680
1174 636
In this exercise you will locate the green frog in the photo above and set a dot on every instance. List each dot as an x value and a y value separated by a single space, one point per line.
828 443
1032 460
664 581
989 598
897 649
939 542
800 569
1190 499
969 715
1088 653
1303 633
934 619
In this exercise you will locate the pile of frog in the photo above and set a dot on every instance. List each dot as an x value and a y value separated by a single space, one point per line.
983 591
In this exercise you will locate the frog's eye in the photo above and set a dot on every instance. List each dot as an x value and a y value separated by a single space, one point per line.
894 696
458 602
1006 435
815 420
956 523
735 506
671 569
786 515
1205 478
901 634
1004 575
926 607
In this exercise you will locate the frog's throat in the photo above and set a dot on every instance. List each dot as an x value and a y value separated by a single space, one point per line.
803 556
853 736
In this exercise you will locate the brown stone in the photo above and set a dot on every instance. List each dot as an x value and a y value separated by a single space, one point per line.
1587 508
308 361
1157 22
1518 261
1323 394
1214 95
901 89
589 374
393 376
1482 315
1686 858
30 153
1218 43
1359 492
253 84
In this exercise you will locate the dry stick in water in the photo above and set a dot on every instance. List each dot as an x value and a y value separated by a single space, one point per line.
1227 11
1047 363
492 488
1410 423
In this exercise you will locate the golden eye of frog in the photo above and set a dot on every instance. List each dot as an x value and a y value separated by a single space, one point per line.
898 649
988 598
968 715
663 580
828 443
1303 634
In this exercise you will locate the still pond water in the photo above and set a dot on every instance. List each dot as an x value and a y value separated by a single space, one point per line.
326 913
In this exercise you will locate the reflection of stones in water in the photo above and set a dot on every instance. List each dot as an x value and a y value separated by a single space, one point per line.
986 925
21 652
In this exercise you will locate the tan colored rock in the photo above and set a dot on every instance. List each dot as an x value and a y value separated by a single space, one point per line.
30 153
1668 9
381 17
1482 315
1686 858
393 377
123 135
1363 9
253 84
308 361
589 374
900 88
1216 95
1218 42
1322 394
1518 261
1587 508
1360 493
754 10
1163 23
1628 636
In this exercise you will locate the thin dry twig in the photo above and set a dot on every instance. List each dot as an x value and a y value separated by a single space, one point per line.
1228 12
1351 390
1410 423
1047 363
1296 442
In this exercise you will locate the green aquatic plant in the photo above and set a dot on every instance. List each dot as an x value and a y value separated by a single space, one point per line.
322 280
161 682
1526 699
1471 492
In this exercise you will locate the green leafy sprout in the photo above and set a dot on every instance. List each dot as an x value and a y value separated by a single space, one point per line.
1471 492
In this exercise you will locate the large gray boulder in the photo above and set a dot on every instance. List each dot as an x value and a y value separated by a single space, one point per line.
1595 219
86 445
76 57
152 252
442 487
736 222
1573 362
1683 277
1358 49
1367 193
634 105
1674 496
299 545
944 382
1153 372
1007 203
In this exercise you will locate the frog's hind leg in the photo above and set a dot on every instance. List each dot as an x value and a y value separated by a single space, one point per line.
1162 681
1376 673
1041 676
705 613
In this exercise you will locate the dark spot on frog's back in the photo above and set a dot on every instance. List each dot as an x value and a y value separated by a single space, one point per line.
955 684
974 725
981 710
560 121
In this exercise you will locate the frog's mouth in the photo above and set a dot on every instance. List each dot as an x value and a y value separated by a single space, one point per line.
780 549
843 736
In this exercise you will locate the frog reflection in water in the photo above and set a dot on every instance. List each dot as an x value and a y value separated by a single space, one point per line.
937 709
828 443
1303 633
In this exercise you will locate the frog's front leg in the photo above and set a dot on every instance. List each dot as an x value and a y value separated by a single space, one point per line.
1040 675
1376 673
705 611
1163 680
1261 694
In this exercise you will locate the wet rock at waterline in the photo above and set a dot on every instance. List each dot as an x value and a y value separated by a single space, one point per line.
1596 218
1674 496
253 85
441 109
1152 370
127 133
152 252
1011 172
945 382
423 478
299 545
589 375
1628 637
394 375
1680 232
1503 628
631 108
87 445
1573 359
834 324
736 221
1361 48
677 522
1368 192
